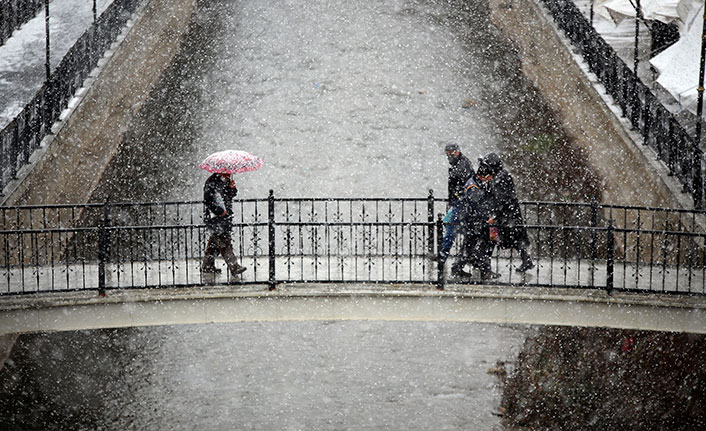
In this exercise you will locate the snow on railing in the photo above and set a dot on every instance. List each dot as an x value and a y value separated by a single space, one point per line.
24 134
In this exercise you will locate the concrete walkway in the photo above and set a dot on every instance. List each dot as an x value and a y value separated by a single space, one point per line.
550 272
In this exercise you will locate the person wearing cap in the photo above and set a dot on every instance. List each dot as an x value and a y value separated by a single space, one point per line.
512 233
474 215
460 170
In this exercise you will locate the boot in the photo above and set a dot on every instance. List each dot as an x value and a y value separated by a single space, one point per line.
489 275
459 272
527 263
441 257
232 262
208 265
236 269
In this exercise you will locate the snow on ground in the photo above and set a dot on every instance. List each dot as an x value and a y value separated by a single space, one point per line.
677 67
23 56
682 81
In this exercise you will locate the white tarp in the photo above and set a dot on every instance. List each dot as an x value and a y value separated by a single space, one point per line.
678 65
666 11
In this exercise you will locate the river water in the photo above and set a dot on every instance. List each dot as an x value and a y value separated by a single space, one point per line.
340 98
260 376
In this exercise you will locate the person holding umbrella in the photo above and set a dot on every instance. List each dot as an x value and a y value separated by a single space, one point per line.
218 193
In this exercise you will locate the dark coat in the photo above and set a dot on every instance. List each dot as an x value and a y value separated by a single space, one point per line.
460 170
218 195
506 206
474 211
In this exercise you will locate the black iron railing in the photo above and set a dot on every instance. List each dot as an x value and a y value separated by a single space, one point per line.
646 114
20 138
14 13
282 240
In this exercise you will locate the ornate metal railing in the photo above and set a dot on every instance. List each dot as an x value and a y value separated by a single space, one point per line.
24 134
14 13
282 240
646 114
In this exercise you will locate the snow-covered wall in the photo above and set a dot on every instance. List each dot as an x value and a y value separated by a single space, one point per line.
72 163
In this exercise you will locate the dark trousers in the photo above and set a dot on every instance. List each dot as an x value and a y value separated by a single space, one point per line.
476 250
219 243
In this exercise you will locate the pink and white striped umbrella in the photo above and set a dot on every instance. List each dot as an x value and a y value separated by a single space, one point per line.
231 162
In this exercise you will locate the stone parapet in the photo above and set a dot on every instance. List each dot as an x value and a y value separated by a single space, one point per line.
630 171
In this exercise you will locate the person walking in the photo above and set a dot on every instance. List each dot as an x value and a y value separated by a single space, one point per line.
474 215
218 193
512 233
460 170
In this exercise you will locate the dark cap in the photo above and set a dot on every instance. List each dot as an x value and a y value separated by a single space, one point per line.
452 146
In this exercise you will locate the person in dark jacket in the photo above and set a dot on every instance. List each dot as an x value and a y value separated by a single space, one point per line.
460 170
512 233
474 213
218 193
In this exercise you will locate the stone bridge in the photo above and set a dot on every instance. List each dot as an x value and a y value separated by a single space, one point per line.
227 303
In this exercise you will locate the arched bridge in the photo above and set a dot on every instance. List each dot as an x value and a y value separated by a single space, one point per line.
131 264
324 301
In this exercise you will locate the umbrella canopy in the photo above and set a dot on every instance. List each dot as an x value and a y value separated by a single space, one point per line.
231 162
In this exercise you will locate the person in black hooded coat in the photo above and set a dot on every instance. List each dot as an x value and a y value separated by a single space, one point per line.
473 214
218 193
512 233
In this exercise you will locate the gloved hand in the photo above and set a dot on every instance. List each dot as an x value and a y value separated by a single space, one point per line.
493 230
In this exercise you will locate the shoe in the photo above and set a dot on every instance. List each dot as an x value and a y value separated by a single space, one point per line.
526 266
489 275
460 273
210 270
436 257
238 270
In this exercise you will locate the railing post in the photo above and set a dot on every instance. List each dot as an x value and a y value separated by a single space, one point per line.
441 275
103 242
594 239
430 219
47 56
610 246
697 177
271 239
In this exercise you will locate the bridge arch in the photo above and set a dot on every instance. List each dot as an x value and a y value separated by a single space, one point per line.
296 302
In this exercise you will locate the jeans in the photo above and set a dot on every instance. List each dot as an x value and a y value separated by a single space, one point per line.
451 230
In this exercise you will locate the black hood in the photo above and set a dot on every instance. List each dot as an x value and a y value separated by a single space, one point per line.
490 164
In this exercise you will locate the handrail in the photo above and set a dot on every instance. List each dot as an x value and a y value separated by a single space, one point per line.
160 244
15 13
659 128
24 134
